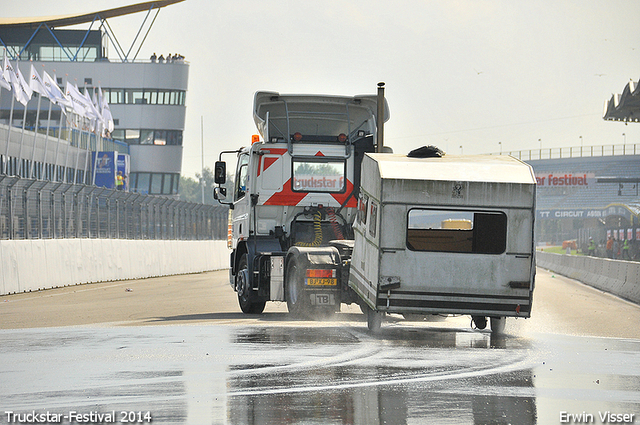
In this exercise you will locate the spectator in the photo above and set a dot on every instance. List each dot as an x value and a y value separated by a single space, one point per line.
592 248
610 247
625 250
161 59
119 181
153 57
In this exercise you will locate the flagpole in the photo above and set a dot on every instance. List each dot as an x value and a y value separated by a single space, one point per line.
24 121
46 137
26 96
35 136
13 101
66 159
55 160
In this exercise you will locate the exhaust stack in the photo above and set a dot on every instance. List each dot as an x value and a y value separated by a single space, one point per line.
380 119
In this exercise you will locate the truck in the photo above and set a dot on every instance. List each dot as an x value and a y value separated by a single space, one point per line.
323 214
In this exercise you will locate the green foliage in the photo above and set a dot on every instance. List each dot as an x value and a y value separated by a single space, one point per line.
191 191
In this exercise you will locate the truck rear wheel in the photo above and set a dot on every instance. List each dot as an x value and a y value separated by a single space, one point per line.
248 304
295 291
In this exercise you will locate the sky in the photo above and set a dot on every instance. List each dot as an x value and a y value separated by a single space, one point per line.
469 76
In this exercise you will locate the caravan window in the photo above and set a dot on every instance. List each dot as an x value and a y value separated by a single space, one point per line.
477 232
323 175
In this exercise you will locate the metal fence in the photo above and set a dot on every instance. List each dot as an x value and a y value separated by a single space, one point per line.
573 152
37 209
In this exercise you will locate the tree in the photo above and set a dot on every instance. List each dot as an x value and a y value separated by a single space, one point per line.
191 191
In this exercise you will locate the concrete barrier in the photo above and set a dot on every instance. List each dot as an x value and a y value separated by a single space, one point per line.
620 278
30 265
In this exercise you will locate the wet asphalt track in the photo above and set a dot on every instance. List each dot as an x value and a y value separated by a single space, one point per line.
578 355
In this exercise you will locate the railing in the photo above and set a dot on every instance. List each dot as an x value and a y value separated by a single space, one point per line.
573 152
36 209
81 139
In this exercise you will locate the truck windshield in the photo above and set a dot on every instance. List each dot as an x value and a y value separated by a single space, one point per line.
477 232
318 176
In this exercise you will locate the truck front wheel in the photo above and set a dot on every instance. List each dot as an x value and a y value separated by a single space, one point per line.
245 293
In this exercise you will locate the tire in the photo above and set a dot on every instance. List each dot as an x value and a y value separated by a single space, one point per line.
497 325
479 321
248 304
295 292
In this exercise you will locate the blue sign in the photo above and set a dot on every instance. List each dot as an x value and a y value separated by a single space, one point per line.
104 169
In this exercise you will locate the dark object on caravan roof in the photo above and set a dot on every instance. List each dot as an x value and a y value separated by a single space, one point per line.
426 152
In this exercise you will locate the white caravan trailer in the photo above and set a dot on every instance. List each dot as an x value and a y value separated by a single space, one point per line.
445 235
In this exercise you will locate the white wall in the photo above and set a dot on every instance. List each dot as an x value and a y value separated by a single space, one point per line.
30 265
621 278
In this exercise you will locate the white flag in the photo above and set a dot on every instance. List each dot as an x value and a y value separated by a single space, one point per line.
3 81
36 83
92 111
78 101
25 90
107 118
55 94
7 71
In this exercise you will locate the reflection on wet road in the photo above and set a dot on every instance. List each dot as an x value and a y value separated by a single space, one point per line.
322 373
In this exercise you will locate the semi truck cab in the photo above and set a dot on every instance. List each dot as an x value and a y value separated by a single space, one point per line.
294 199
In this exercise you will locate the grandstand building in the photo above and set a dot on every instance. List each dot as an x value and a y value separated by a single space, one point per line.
146 97
590 192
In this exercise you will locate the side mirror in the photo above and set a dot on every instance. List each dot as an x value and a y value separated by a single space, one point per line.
220 193
220 172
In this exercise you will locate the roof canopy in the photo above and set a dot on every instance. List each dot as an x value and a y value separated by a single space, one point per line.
67 20
625 106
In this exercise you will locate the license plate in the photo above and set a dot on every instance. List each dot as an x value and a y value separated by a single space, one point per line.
322 299
322 281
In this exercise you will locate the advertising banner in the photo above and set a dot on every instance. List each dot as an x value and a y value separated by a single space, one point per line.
577 180
104 169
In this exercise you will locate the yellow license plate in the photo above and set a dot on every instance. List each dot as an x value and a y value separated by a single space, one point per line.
322 281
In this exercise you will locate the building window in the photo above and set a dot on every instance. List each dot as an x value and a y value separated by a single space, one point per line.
156 183
143 96
135 97
166 184
142 182
149 137
132 137
114 96
160 137
146 137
